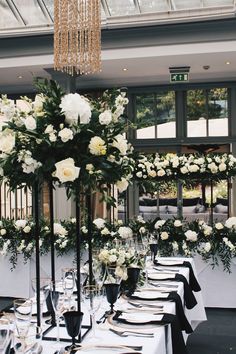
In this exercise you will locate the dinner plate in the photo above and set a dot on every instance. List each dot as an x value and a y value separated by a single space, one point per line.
140 318
160 276
111 323
150 295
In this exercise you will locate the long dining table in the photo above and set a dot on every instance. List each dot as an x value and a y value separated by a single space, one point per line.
144 312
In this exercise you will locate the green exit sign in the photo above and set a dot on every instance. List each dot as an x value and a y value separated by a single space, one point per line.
179 77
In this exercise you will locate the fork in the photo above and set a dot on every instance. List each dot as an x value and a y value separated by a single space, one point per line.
129 333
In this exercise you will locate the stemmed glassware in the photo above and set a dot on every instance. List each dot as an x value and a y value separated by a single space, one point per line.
4 335
112 286
57 299
23 312
92 297
73 321
45 286
153 243
68 282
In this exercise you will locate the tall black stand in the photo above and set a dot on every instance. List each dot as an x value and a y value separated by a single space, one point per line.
211 217
52 237
89 211
37 249
78 247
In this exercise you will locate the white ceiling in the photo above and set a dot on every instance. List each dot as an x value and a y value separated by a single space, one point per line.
145 66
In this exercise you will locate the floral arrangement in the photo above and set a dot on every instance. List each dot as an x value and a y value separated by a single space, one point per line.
65 138
158 167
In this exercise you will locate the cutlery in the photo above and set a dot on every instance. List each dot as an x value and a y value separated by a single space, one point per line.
164 285
131 333
124 348
139 305
167 270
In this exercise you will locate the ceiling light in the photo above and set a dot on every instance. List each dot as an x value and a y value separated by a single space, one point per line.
125 69
227 63
20 77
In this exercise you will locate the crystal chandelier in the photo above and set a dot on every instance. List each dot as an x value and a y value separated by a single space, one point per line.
77 36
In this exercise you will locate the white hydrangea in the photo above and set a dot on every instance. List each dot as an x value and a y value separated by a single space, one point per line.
231 222
105 117
99 223
191 235
75 106
58 229
7 142
121 143
125 232
20 224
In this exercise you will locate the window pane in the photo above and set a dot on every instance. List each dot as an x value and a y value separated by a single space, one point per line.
196 113
218 112
7 19
155 115
152 6
31 12
121 7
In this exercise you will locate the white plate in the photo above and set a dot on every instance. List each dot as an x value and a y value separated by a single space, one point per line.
140 318
160 276
150 295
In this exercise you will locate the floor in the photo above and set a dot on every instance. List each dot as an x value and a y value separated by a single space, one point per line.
215 336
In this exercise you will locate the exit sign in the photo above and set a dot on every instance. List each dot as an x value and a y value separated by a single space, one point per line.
179 77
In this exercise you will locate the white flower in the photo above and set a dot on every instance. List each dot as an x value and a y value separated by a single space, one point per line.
121 272
120 143
222 167
49 129
65 135
177 223
175 246
7 143
3 232
161 173
52 137
73 220
207 230
105 231
193 168
207 247
20 224
122 185
38 103
164 235
139 174
105 117
97 146
99 223
125 232
84 229
219 226
152 173
231 222
142 230
191 235
159 223
112 258
75 106
89 167
212 166
58 229
184 170
66 171
27 229
30 123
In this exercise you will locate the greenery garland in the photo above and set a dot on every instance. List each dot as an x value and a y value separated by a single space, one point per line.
216 244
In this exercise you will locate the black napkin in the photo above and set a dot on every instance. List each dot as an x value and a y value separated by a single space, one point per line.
173 296
178 344
189 298
192 279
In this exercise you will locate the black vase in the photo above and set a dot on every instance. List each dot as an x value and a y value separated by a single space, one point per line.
112 292
73 321
153 249
133 275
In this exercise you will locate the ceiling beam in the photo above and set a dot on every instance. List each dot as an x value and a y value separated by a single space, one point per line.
137 6
16 12
106 8
45 11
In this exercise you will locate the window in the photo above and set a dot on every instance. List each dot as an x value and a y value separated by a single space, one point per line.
155 115
207 112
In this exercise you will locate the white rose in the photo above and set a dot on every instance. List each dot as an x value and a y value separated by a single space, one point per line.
207 247
105 231
58 229
152 173
159 223
112 258
177 223
222 167
184 170
121 143
122 185
164 235
97 146
7 143
212 166
105 117
30 123
65 135
27 229
191 235
125 232
52 137
219 226
193 168
142 230
99 222
161 173
38 103
3 232
49 129
139 174
66 171
75 106
231 222
20 224
89 167
84 229
207 230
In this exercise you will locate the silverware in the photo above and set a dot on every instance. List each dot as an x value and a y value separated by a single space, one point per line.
166 270
140 305
131 333
164 285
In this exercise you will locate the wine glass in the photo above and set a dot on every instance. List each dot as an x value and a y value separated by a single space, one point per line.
153 243
4 334
45 286
32 344
68 281
57 299
73 321
23 312
112 286
98 272
92 297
